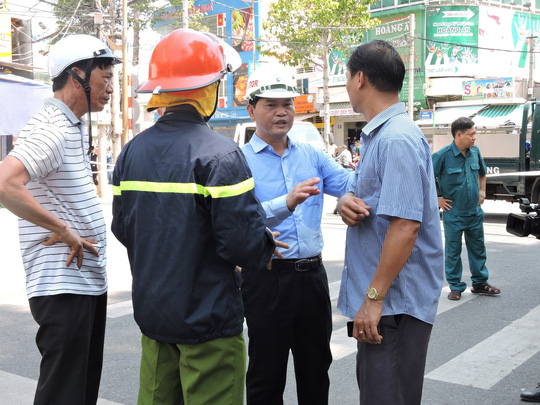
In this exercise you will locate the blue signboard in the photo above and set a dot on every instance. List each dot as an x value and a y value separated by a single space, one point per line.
426 115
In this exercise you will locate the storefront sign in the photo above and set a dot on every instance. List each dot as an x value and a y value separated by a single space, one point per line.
490 89
304 104
452 46
5 34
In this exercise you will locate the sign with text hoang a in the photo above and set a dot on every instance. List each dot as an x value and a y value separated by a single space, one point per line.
452 40
489 89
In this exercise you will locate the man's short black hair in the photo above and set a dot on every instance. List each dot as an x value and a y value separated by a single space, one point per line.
381 64
60 81
253 101
462 124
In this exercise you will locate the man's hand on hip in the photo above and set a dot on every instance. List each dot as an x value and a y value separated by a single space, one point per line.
444 204
76 243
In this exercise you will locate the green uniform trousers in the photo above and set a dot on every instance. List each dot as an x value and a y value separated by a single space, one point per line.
473 228
211 373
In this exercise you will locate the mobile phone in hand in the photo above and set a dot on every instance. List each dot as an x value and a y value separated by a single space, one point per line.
350 327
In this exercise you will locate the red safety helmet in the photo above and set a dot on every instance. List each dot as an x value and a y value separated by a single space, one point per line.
184 60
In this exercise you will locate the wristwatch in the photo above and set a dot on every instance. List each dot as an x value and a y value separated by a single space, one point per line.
374 295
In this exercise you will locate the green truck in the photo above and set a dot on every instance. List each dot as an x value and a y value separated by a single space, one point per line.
511 153
512 156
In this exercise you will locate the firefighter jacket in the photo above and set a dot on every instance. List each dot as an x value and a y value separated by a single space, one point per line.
185 208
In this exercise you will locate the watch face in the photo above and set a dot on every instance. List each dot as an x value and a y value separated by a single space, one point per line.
371 293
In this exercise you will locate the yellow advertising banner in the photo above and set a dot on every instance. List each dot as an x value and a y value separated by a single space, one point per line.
5 32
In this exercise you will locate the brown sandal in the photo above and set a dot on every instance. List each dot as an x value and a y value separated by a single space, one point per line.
454 295
485 289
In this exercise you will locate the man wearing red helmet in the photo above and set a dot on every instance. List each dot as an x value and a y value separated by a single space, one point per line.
47 182
185 208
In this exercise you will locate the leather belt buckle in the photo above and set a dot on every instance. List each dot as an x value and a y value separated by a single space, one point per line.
302 265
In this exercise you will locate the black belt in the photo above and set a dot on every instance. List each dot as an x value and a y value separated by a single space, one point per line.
297 264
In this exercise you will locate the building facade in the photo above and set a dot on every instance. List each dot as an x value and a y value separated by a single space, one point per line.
469 58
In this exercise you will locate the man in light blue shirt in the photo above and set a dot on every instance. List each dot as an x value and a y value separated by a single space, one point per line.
288 308
393 270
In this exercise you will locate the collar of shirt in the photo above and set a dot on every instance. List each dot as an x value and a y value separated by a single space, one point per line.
65 109
383 117
258 145
456 151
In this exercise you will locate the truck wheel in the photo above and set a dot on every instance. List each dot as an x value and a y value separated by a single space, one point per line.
535 191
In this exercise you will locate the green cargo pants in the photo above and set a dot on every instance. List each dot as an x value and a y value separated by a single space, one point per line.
206 373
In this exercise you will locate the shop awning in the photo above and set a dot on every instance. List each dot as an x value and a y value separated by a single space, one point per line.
337 109
446 115
499 114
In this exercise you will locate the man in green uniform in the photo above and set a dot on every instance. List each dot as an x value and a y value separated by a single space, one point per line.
461 175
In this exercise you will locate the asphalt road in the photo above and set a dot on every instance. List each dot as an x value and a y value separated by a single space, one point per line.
483 350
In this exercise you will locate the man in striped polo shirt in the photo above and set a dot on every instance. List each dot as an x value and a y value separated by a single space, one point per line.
47 182
393 271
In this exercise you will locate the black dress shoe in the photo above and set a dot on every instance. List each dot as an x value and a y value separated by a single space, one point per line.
531 396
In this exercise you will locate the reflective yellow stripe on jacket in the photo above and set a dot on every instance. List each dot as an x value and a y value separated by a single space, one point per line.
185 188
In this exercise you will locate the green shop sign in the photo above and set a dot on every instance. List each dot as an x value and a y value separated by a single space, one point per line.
452 40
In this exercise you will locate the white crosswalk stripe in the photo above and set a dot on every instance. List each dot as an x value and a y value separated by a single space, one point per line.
119 309
512 345
343 346
20 390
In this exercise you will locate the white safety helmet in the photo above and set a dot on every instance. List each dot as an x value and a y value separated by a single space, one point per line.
76 48
271 81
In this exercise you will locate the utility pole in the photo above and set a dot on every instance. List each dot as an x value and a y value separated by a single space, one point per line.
254 37
530 89
185 13
125 118
101 126
411 65
326 91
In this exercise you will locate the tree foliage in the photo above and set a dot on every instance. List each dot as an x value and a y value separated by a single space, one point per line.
297 32
73 16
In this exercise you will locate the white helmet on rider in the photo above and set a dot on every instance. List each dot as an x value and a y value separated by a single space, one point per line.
271 81
79 48
76 48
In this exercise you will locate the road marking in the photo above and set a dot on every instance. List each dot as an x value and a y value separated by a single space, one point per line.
484 365
119 309
343 346
334 289
124 308
20 390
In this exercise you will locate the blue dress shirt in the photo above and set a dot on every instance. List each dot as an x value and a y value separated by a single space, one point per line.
395 177
275 176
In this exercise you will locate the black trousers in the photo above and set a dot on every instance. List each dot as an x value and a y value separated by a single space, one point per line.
392 373
287 311
70 339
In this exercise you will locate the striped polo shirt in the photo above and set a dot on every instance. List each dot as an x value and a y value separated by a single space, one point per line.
52 147
395 178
